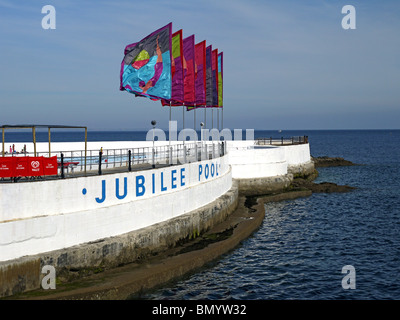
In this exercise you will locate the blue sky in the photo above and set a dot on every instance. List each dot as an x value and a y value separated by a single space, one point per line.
287 64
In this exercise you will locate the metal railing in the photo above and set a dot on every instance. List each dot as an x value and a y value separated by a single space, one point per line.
74 163
281 141
157 156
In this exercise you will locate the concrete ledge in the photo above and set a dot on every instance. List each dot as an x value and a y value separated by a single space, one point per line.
23 274
260 186
268 185
304 169
19 276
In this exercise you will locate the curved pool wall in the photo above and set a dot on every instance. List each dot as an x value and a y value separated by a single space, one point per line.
265 169
112 219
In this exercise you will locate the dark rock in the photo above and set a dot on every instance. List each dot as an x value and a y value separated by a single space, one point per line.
331 162
328 187
323 187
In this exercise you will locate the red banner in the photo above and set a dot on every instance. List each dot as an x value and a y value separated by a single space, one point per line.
35 166
27 166
50 166
7 167
21 166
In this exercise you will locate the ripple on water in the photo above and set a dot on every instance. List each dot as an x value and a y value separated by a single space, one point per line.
302 245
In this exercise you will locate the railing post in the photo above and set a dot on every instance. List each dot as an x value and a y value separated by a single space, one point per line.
129 159
100 154
153 154
62 166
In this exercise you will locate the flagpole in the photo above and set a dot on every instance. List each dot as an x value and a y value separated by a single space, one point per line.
194 117
212 118
183 116
183 124
218 118
205 117
169 125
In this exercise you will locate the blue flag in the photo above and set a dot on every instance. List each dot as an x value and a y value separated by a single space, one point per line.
146 67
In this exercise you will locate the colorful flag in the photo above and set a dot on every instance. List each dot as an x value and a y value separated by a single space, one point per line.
189 70
214 70
220 79
209 88
177 92
146 67
200 75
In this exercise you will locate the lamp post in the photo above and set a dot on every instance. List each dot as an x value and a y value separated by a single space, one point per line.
153 123
201 137
201 130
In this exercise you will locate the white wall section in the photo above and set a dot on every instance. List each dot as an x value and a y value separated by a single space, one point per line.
42 216
50 215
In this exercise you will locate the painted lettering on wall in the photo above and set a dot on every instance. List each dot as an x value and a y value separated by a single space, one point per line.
117 188
208 171
159 182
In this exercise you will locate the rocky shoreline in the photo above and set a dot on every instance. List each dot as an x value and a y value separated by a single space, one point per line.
326 161
324 187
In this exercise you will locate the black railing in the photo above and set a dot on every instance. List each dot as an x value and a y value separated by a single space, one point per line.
281 141
75 163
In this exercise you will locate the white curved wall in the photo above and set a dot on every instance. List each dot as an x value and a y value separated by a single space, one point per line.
44 216
51 215
249 161
297 154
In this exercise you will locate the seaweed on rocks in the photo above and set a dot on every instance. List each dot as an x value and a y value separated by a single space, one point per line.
331 162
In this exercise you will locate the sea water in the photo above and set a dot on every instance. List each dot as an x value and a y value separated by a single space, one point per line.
302 246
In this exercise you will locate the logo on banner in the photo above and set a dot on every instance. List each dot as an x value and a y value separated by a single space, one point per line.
35 164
